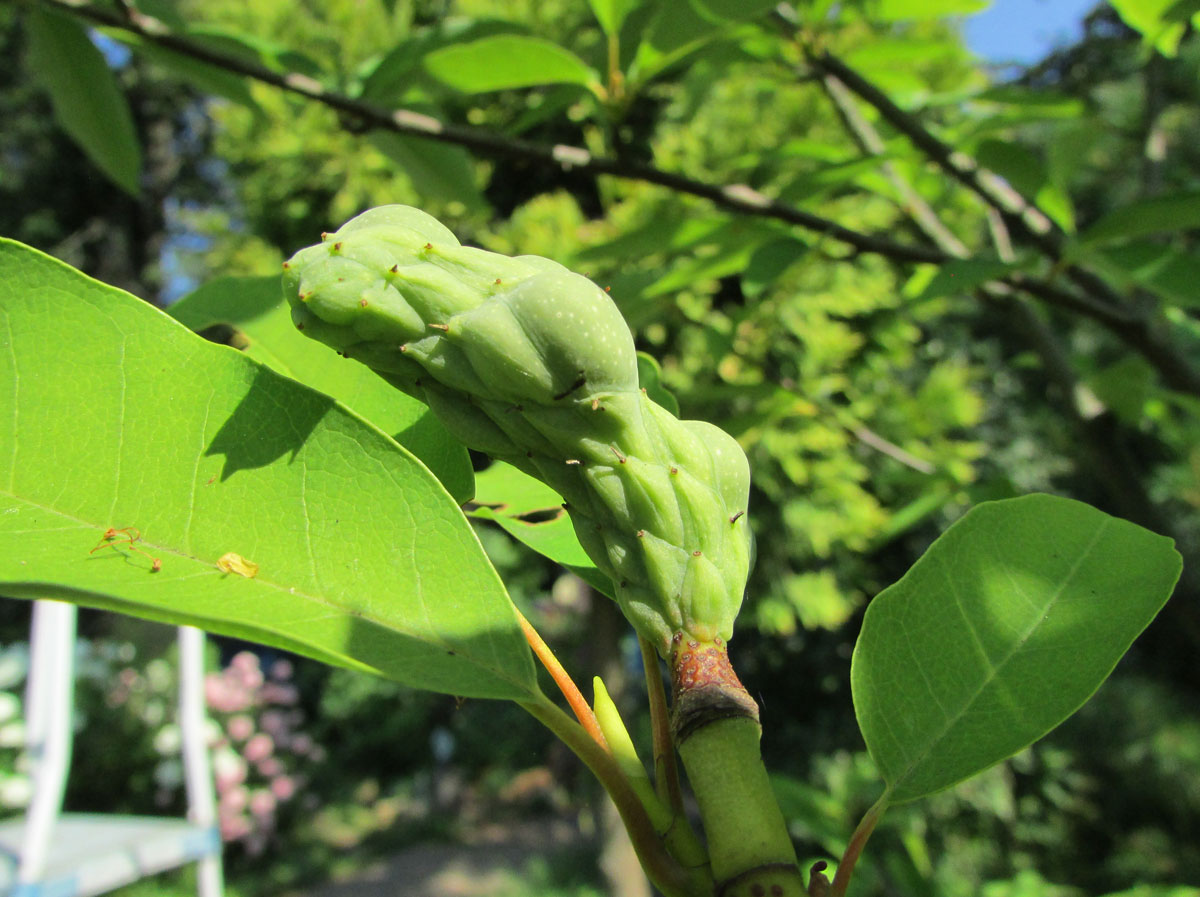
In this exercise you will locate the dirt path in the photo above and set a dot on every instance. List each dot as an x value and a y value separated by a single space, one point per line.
491 865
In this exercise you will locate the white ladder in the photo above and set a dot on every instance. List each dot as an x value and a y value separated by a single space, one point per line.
54 854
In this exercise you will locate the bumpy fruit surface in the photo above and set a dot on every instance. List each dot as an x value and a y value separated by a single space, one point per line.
534 365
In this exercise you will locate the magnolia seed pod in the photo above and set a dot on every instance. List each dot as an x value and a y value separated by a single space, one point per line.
529 362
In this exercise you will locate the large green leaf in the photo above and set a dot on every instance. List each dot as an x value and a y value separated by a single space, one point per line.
87 102
1007 624
114 415
255 307
400 68
532 513
508 61
1149 216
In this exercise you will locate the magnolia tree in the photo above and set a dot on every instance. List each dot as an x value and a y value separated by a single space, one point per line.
257 493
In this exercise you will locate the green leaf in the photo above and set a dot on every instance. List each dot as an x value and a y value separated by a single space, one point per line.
611 13
532 513
1124 387
83 91
962 276
1171 273
1006 625
1181 10
905 10
1156 20
255 48
439 172
682 27
722 11
256 308
1039 103
1149 216
207 78
114 415
401 67
768 262
504 62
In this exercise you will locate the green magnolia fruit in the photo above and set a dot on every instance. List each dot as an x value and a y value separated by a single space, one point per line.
531 363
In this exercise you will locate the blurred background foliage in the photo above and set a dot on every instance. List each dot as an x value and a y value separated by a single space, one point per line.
877 399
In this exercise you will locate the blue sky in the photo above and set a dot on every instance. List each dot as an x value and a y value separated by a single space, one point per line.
1024 31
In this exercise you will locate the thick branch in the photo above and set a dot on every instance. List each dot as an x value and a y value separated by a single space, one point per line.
1149 339
1021 215
735 197
1098 301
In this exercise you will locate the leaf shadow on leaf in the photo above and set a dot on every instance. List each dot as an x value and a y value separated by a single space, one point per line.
247 441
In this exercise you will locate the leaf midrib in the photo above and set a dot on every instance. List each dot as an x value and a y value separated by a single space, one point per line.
998 667
291 591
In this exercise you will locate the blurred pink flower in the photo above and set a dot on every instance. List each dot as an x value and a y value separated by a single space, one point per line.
269 767
301 744
234 827
234 800
258 748
262 802
245 662
240 727
281 669
274 722
223 696
244 669
287 695
283 787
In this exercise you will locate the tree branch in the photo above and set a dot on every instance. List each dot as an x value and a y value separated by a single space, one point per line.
739 198
1146 337
1020 215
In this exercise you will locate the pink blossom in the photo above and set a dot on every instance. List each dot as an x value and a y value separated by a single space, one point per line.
234 827
262 802
301 744
234 800
245 669
274 722
275 693
269 767
283 787
240 727
245 662
281 669
222 696
259 748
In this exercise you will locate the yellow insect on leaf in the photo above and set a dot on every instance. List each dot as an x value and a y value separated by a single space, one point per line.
232 562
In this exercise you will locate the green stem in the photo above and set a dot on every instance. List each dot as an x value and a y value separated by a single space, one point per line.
666 873
666 771
854 849
714 722
748 842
